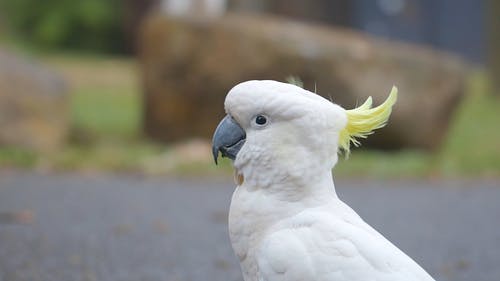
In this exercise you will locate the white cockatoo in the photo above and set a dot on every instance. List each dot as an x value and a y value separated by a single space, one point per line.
286 221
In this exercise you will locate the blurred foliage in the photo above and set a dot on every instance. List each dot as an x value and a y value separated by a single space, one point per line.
93 25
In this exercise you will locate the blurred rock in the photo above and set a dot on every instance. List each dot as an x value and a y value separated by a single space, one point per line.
182 155
190 64
33 105
136 10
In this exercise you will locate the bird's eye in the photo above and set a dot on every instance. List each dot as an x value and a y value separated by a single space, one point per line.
260 120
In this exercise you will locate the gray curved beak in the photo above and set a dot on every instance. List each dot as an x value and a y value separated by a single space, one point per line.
228 138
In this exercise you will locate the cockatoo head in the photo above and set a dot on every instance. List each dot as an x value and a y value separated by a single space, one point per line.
277 132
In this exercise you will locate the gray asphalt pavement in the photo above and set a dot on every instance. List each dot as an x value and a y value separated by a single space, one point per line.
121 228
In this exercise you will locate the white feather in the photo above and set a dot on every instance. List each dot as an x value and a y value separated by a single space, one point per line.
286 222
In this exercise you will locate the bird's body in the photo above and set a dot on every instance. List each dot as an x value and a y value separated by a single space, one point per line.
286 222
319 238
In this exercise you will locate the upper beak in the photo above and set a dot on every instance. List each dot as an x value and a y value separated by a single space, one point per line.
228 138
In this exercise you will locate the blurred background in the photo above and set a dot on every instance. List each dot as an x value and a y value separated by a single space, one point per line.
105 102
138 86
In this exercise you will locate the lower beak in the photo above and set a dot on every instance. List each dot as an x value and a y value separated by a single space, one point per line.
228 138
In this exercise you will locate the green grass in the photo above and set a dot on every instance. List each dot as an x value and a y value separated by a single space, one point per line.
105 106
104 98
104 112
104 156
379 164
473 145
17 157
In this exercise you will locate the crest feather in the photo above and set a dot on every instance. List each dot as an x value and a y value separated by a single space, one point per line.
362 120
295 80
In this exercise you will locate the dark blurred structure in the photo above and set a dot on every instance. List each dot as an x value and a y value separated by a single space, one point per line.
494 46
134 13
111 25
452 25
437 23
336 12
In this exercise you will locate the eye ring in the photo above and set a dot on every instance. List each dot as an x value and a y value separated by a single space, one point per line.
260 120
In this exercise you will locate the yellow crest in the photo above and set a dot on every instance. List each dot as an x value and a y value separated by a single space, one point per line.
362 120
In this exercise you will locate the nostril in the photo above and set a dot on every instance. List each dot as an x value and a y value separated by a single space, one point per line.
223 151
